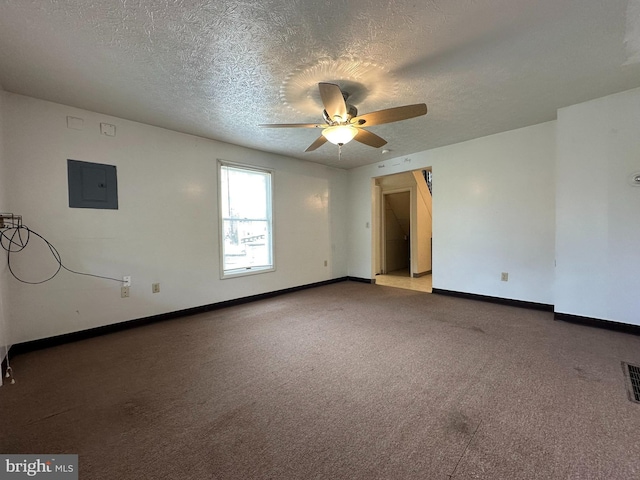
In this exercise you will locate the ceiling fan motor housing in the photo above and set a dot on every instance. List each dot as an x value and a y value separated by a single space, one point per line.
351 113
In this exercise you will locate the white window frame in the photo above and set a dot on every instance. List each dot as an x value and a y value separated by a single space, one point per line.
240 272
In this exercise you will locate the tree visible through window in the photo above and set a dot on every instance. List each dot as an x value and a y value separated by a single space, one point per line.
245 211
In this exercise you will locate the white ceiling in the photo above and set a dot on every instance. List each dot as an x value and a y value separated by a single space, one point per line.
219 68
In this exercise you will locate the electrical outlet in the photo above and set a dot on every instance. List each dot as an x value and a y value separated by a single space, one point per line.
126 281
505 277
326 263
155 288
124 292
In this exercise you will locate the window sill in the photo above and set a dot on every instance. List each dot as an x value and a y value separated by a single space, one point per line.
243 272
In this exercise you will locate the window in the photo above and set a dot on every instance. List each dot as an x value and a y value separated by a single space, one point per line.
246 220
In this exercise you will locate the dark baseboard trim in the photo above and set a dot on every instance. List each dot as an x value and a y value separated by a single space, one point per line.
422 274
596 322
361 280
32 345
502 301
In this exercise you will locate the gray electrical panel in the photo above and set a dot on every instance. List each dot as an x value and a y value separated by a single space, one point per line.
92 185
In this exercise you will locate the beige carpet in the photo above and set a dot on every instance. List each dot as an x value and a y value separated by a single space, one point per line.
345 381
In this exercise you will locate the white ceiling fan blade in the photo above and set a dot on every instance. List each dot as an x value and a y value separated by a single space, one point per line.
390 115
368 138
333 101
318 143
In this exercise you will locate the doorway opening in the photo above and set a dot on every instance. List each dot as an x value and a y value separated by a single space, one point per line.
396 219
402 230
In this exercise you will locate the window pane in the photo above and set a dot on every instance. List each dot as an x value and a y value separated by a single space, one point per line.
246 244
244 193
245 206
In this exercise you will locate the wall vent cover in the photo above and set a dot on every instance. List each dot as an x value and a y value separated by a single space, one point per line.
632 374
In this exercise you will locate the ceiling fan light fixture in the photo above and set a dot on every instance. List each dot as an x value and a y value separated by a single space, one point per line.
340 134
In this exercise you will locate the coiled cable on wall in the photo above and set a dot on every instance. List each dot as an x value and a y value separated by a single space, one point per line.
15 237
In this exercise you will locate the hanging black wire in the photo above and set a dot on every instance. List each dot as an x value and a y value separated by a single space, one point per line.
15 238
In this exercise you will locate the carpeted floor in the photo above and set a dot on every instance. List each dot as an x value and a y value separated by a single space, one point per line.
344 381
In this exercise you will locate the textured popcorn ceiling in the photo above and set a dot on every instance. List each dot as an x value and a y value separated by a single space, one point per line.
218 68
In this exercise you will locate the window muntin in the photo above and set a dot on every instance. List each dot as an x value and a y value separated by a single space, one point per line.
246 220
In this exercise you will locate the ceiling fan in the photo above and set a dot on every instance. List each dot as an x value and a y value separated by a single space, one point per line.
342 123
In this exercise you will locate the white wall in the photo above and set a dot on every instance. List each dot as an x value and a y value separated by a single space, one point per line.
493 212
424 224
166 227
4 320
598 211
